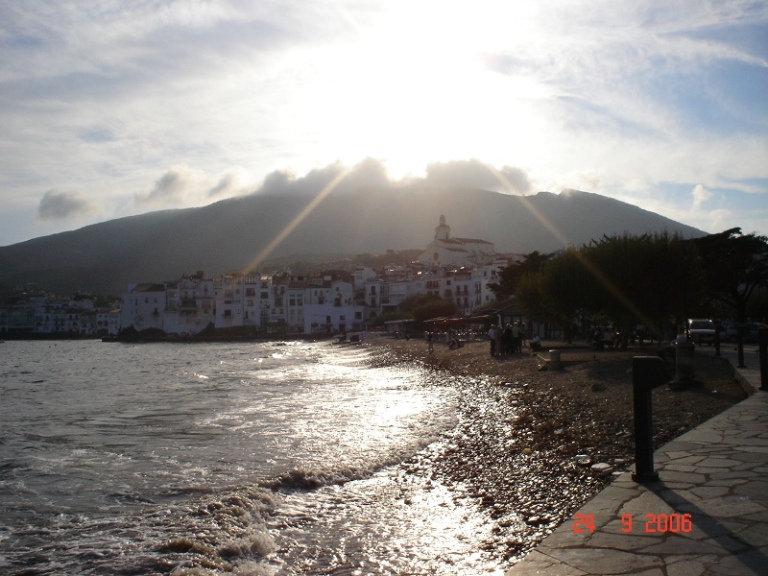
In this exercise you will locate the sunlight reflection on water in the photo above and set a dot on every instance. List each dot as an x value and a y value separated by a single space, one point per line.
113 450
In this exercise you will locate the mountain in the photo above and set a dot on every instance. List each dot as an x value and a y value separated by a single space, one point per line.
228 236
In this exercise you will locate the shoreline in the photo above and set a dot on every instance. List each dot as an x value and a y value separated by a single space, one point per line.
532 446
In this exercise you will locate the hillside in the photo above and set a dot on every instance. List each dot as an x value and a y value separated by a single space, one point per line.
228 235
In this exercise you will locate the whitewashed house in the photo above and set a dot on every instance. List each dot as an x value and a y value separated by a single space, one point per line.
238 301
143 307
266 299
189 305
252 286
361 275
229 301
331 308
279 302
108 321
294 315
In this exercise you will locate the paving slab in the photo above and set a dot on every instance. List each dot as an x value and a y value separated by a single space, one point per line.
706 515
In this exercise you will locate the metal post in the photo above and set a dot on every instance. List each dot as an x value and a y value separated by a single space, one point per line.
762 340
648 372
741 330
717 340
685 361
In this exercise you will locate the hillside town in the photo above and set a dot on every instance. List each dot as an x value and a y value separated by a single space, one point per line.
322 303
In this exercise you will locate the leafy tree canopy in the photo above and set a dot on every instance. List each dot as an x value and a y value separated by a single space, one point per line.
626 280
510 276
422 307
734 266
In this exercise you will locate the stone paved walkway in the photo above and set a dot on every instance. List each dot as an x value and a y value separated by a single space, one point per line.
707 514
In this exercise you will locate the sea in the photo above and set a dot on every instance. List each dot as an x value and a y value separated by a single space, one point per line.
259 458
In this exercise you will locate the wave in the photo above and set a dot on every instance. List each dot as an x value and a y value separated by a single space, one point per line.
308 479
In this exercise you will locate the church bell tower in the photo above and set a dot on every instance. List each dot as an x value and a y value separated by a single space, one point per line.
443 231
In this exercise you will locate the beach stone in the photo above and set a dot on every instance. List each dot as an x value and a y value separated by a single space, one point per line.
583 459
602 468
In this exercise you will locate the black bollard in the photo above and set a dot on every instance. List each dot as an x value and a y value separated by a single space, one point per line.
762 340
648 372
741 331
717 341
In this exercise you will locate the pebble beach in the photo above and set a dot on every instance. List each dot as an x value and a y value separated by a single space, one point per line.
533 445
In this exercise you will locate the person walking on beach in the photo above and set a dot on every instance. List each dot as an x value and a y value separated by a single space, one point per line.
516 340
493 334
430 343
506 339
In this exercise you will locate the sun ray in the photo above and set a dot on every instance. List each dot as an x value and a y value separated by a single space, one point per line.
589 266
293 224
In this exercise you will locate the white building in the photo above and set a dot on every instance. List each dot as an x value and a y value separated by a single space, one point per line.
444 250
330 308
294 313
238 300
108 321
189 305
143 307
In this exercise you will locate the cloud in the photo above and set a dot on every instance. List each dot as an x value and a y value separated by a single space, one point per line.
476 174
700 196
372 174
55 205
368 173
588 180
234 182
179 185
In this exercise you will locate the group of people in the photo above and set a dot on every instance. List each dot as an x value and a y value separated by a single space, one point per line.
508 339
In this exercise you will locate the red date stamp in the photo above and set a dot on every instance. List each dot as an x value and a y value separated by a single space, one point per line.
650 524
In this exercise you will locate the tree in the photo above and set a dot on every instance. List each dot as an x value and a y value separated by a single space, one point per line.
646 280
735 265
559 291
624 280
422 307
511 275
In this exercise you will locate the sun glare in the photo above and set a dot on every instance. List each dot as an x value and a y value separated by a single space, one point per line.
415 87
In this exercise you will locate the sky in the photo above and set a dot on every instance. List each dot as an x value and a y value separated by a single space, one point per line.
114 108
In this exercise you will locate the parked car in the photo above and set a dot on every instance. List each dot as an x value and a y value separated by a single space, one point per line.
750 332
701 331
